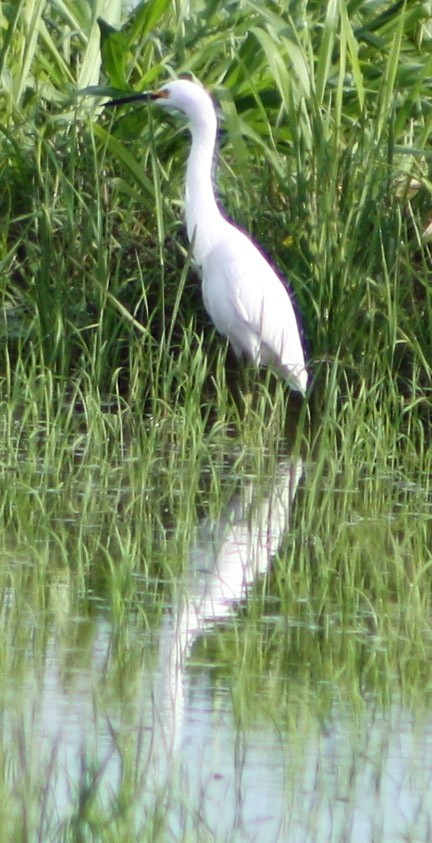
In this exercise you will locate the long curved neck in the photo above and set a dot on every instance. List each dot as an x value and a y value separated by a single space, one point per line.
203 217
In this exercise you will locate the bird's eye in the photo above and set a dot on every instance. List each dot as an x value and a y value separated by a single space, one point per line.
162 94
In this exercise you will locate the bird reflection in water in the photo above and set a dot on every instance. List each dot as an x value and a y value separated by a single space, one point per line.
228 556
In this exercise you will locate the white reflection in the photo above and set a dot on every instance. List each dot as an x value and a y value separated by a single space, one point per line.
228 556
232 552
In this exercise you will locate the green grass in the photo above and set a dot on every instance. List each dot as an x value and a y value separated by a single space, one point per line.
123 424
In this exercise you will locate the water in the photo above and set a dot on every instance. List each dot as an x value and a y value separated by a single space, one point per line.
352 777
180 710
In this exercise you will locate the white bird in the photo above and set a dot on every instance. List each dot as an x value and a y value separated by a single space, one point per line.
246 300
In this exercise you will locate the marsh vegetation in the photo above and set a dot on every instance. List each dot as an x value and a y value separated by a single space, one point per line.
136 458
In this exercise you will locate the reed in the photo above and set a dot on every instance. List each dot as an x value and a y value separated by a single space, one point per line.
123 424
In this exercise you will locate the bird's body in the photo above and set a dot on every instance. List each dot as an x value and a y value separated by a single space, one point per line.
253 309
246 300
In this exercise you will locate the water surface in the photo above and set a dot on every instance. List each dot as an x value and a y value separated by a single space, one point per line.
216 710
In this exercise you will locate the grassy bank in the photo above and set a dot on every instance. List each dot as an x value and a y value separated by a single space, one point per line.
326 123
123 423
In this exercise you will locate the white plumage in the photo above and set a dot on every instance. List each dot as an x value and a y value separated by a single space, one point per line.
244 297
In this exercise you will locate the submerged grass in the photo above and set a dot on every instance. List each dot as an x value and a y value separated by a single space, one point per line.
98 524
121 426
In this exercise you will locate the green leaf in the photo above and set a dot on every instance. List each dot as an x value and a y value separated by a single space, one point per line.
326 49
121 152
389 75
145 17
103 91
353 48
115 53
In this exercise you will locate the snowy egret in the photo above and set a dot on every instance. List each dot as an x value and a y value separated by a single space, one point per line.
247 301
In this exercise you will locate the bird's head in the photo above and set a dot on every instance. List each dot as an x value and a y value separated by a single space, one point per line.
182 95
